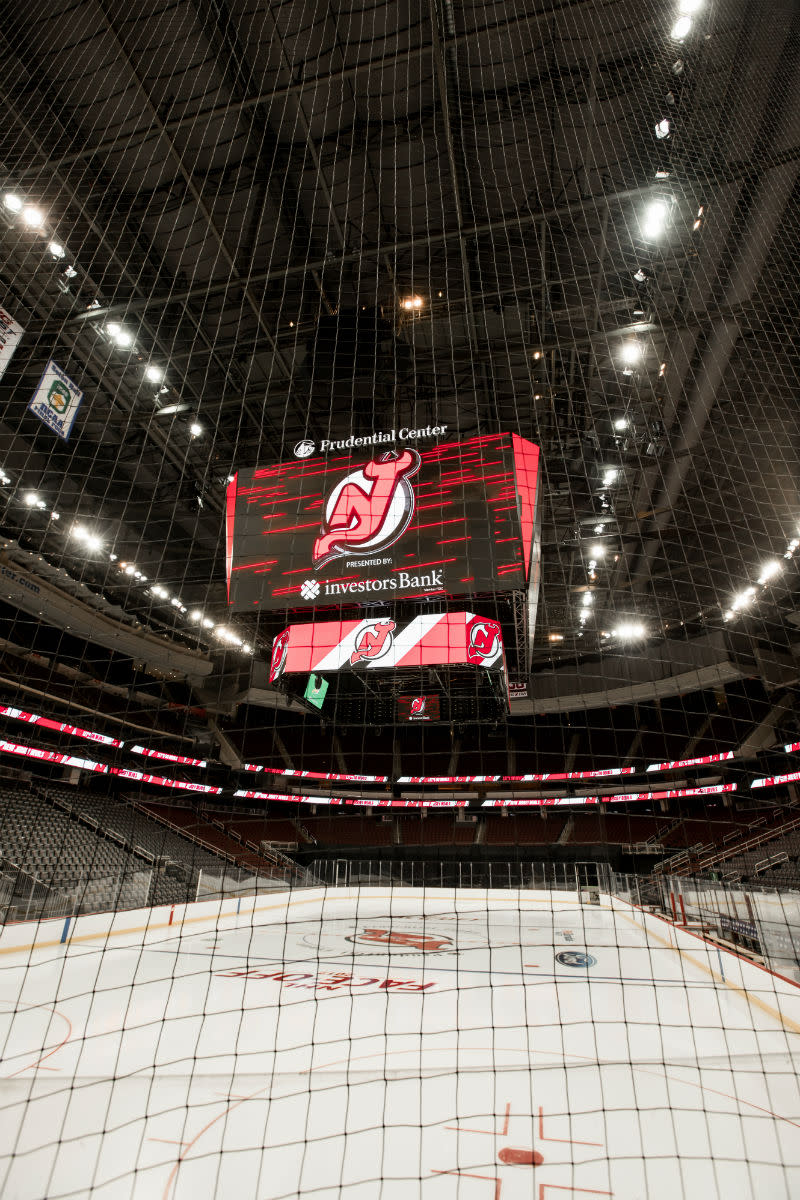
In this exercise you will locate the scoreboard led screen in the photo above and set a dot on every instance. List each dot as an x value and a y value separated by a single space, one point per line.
461 517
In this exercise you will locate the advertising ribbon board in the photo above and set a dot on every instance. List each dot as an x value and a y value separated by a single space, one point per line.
10 333
56 400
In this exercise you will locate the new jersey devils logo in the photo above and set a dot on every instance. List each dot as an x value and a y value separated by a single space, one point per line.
485 643
373 642
369 509
418 706
279 648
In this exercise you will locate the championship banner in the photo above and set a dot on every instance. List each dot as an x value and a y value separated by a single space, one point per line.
378 643
383 524
10 333
56 400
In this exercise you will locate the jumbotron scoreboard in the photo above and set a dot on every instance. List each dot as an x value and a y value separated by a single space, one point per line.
385 522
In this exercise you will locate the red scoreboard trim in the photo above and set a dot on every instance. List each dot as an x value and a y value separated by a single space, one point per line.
161 781
318 775
615 798
378 644
774 780
408 803
18 714
550 777
284 796
704 760
51 756
176 758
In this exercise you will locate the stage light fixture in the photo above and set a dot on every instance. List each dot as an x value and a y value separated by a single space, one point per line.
663 128
769 570
12 202
654 222
57 250
153 373
680 29
33 216
629 631
195 429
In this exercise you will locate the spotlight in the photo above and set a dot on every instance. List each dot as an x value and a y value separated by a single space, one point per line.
655 220
688 7
630 631
207 623
768 570
597 551
631 353
195 616
555 637
610 477
621 423
57 250
31 499
153 373
33 217
195 429
680 29
663 128
411 303
12 202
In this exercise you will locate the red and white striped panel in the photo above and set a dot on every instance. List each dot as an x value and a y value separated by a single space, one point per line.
377 643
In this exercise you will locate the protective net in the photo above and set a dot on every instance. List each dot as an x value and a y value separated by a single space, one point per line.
398 572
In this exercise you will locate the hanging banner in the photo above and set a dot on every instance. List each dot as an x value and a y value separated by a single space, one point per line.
10 333
56 400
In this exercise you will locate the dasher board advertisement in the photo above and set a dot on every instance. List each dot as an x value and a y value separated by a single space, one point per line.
384 524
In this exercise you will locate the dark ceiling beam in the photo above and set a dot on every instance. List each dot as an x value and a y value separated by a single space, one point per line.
127 267
479 229
369 66
234 279
219 30
765 213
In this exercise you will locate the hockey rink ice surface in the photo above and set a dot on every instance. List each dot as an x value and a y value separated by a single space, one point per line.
390 1045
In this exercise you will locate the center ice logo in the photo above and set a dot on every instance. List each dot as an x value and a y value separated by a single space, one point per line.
369 509
406 940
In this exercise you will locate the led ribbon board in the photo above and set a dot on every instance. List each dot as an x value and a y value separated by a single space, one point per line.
433 639
462 517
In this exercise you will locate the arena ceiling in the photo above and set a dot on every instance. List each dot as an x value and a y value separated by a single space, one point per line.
321 220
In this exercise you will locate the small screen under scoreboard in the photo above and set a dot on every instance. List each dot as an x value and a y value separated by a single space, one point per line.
418 708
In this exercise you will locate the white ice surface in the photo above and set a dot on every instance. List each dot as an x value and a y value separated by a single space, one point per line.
164 1071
